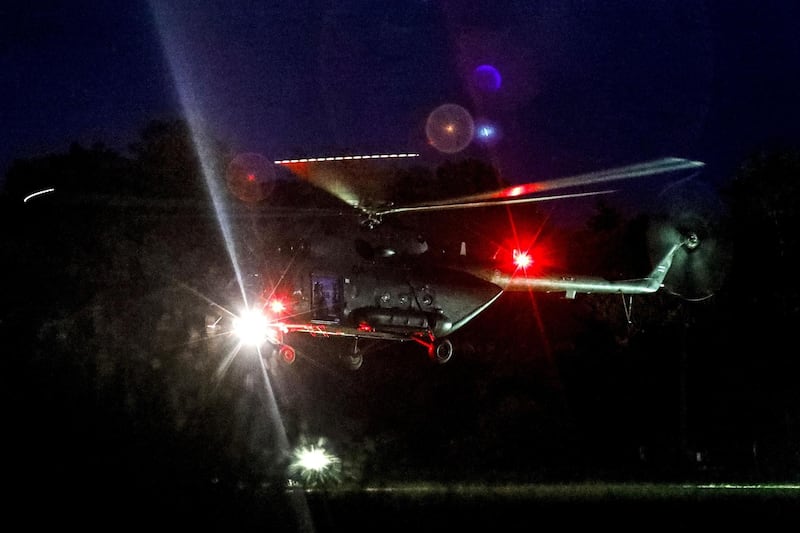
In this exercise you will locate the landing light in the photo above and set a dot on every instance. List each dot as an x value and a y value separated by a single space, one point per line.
252 327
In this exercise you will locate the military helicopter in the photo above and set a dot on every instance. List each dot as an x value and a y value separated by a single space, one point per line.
352 275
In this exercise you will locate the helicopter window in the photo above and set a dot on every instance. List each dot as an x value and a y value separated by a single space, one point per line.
326 298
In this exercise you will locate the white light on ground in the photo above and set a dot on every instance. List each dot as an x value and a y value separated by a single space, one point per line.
314 459
315 465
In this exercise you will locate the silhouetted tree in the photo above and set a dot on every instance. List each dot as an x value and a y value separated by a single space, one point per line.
468 176
763 310
168 157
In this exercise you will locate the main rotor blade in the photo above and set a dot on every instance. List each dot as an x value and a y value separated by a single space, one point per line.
351 178
487 203
649 168
513 194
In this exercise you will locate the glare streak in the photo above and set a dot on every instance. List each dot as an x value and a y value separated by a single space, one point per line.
187 100
226 362
37 193
174 51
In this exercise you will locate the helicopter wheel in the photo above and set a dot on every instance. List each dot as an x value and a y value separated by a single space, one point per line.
443 351
355 359
288 354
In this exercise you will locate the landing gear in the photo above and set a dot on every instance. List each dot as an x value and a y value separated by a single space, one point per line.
287 354
442 351
439 350
355 359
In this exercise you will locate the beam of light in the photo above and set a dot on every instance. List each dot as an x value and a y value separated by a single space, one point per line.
227 361
179 70
344 158
37 193
177 54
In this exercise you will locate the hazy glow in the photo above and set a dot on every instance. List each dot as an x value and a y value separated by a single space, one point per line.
37 193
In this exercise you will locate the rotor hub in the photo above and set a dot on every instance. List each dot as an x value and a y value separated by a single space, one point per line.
692 241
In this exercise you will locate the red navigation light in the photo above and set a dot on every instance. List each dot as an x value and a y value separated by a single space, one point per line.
277 306
522 259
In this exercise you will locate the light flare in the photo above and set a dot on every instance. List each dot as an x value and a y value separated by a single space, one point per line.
522 259
277 306
252 327
315 465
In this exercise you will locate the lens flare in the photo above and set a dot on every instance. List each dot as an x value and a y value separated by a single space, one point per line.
487 133
250 177
450 128
487 78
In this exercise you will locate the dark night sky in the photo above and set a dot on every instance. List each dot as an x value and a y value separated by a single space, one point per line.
585 85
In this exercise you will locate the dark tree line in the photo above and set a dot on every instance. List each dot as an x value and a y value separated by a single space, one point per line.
107 364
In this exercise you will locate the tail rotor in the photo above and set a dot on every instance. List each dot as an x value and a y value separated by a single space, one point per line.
691 213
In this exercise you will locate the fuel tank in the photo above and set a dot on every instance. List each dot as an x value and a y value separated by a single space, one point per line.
432 298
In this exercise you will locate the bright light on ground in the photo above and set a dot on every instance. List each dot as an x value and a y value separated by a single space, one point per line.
314 459
315 465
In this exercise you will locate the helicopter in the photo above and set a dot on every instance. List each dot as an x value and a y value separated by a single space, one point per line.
366 281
